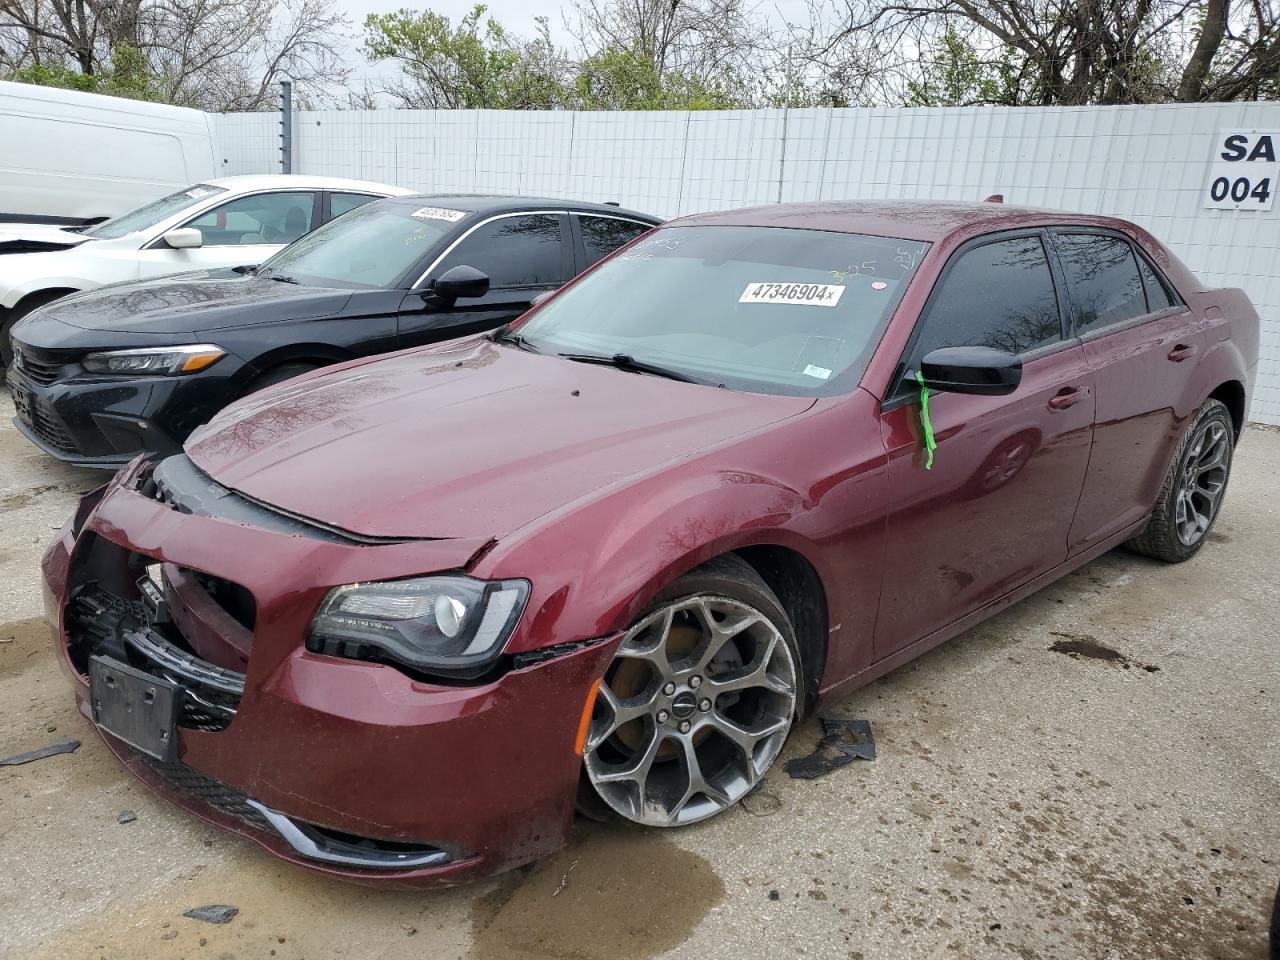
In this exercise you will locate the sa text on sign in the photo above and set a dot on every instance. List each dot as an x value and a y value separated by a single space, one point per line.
1244 170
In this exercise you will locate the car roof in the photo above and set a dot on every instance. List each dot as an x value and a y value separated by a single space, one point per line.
276 181
487 203
929 220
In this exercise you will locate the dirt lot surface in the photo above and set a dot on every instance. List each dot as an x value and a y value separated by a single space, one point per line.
1093 774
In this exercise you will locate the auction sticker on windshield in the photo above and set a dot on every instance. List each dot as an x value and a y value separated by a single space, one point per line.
806 294
438 213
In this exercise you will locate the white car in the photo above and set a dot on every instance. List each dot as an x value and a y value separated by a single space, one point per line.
224 222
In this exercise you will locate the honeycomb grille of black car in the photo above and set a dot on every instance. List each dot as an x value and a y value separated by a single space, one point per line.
42 423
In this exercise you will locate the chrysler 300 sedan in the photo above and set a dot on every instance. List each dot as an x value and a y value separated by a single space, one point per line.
397 620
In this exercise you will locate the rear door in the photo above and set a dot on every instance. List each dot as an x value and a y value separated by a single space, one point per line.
597 235
996 507
1140 341
523 254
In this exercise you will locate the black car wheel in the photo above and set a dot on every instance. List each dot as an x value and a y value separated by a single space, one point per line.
269 378
20 309
1193 489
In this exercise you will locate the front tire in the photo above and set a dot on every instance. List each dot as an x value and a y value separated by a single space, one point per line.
1194 488
697 703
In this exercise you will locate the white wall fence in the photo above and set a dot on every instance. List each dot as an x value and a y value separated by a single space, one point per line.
1149 164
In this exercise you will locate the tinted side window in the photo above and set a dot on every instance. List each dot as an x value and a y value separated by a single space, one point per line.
997 295
1157 296
261 218
1102 279
513 251
340 203
603 235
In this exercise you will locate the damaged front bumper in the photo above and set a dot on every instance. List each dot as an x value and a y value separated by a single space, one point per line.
350 768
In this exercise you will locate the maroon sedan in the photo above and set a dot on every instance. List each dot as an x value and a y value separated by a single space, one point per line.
396 620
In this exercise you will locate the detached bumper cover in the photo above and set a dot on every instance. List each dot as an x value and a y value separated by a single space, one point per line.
345 750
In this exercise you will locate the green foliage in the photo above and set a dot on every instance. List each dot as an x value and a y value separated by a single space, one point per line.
618 79
952 74
126 76
475 65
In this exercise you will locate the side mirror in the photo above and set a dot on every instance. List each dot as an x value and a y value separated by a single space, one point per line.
184 238
460 282
977 370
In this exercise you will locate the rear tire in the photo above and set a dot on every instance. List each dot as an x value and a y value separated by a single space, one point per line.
697 703
1193 490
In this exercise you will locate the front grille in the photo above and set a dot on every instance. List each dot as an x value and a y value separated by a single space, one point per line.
101 622
212 792
38 370
41 421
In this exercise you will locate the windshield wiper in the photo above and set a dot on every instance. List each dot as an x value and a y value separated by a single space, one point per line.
504 335
279 276
624 361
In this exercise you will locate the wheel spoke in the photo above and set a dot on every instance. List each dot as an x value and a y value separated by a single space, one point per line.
620 712
638 770
648 642
755 674
717 633
746 738
697 783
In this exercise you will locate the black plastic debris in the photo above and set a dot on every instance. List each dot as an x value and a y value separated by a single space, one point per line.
50 751
213 913
126 816
843 741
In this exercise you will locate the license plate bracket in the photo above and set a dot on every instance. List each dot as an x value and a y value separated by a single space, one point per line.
134 706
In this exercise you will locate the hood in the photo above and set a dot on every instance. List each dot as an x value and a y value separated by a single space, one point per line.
464 440
36 238
204 301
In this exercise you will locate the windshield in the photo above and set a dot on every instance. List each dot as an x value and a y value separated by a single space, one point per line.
152 213
764 309
372 246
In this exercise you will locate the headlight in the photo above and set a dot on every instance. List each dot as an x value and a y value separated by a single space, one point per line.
165 361
450 625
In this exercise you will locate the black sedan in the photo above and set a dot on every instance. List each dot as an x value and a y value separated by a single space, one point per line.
102 376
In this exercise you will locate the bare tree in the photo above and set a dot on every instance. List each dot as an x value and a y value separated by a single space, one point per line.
213 54
1093 51
699 39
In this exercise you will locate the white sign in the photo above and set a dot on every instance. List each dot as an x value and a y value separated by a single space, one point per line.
438 213
1244 171
805 294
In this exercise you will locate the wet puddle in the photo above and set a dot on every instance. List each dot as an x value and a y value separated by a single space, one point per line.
613 894
1084 647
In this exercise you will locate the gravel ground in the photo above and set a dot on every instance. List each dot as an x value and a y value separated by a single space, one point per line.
1025 803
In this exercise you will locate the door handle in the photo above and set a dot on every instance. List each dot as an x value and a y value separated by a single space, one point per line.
1068 397
1181 352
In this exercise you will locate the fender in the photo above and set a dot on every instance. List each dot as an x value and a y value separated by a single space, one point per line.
601 562
19 291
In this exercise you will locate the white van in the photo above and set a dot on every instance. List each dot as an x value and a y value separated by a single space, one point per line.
71 157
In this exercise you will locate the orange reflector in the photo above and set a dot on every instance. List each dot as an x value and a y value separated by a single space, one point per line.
198 361
584 723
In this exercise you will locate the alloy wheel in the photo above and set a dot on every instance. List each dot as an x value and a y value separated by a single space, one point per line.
1204 478
692 712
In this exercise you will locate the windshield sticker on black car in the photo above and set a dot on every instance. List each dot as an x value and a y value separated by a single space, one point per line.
805 294
438 213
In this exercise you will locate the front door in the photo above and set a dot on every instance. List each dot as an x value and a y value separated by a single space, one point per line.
996 508
523 255
1141 343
